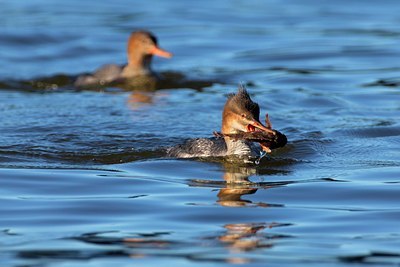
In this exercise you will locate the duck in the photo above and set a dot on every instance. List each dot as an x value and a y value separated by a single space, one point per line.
240 115
142 46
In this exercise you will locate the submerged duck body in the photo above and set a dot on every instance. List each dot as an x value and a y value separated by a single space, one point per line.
142 46
240 115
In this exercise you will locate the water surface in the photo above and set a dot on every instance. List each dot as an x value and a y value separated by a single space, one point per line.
83 175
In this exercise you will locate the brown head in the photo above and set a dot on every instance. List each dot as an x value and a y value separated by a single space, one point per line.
241 114
142 45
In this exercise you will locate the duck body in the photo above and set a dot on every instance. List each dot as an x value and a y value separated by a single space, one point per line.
214 147
104 75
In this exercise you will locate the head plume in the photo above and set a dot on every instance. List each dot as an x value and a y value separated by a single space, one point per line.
241 102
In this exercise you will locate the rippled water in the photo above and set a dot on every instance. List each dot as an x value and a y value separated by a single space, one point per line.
83 175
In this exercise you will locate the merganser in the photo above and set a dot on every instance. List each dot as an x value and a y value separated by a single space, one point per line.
142 45
240 114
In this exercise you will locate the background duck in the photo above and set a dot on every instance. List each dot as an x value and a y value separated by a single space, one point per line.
142 46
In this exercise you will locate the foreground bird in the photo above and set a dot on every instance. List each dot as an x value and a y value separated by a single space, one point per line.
142 46
240 116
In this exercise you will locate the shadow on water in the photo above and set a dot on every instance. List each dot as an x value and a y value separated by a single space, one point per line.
62 82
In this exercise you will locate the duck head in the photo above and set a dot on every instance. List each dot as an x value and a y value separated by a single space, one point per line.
142 46
241 114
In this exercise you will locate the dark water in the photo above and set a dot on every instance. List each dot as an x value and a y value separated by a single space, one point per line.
84 180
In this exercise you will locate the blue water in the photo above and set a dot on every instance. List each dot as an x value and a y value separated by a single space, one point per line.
84 180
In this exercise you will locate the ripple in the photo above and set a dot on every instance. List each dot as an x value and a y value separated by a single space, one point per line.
391 82
371 132
374 257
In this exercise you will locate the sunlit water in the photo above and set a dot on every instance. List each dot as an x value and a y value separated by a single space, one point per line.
84 180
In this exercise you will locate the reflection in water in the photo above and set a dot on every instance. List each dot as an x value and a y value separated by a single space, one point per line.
139 99
241 237
231 197
238 238
238 184
234 243
248 236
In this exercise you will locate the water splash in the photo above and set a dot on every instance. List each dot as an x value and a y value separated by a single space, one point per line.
262 154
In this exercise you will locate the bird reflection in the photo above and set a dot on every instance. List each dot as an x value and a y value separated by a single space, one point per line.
241 238
238 184
244 236
139 99
146 92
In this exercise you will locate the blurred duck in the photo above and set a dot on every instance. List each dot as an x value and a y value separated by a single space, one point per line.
240 115
142 46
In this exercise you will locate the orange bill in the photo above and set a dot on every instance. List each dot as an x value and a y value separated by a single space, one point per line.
160 52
